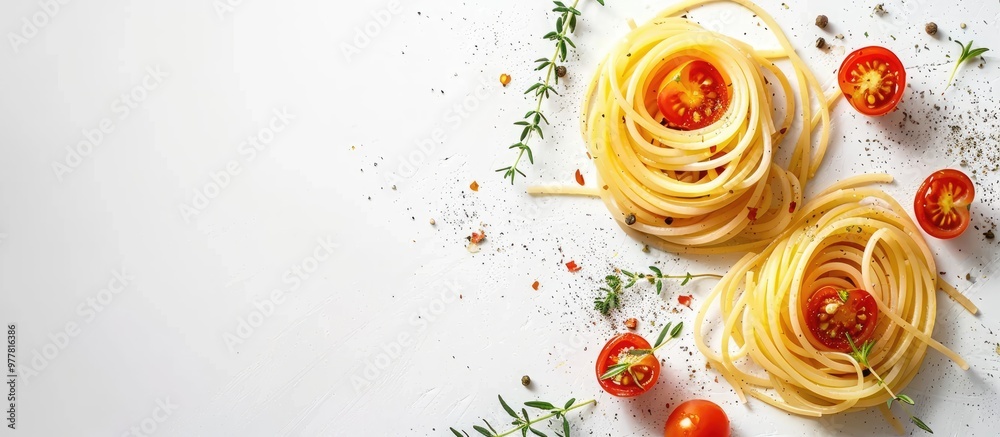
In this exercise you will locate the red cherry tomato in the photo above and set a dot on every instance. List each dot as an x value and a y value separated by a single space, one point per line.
831 312
697 418
647 369
942 203
873 79
693 95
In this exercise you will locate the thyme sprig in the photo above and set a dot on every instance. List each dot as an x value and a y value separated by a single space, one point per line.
633 357
611 297
860 354
524 423
967 53
531 124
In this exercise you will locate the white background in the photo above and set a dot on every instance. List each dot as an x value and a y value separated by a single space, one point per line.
371 339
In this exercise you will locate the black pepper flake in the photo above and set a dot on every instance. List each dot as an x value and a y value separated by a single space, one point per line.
820 43
669 221
988 234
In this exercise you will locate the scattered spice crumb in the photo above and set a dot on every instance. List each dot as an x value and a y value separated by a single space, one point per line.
645 248
988 234
822 21
631 323
504 79
839 36
572 267
820 43
433 222
579 177
474 186
685 300
534 286
962 25
474 240
880 9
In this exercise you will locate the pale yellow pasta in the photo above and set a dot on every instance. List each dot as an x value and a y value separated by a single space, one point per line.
714 189
849 236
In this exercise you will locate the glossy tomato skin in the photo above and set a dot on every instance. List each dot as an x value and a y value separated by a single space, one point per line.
697 418
942 203
693 95
649 367
872 79
829 317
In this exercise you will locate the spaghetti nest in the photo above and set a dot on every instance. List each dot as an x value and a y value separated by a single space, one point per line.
850 237
713 188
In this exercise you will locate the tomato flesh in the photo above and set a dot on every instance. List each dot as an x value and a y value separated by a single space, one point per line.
873 80
830 317
942 203
647 369
693 95
697 418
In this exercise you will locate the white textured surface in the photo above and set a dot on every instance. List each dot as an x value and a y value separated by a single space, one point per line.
319 362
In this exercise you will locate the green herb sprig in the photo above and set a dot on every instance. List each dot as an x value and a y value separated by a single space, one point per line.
531 124
967 53
635 356
611 297
860 354
524 423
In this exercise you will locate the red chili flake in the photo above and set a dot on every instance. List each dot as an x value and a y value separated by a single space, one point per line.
534 286
685 300
572 266
791 208
631 323
477 237
579 177
720 169
713 149
474 186
783 130
752 215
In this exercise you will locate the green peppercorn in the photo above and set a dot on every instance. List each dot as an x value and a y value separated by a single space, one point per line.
525 380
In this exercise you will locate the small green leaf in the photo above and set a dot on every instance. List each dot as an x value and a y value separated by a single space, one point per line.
888 403
565 427
489 426
601 2
540 405
656 270
613 281
663 335
569 403
457 434
482 431
904 398
843 295
677 330
615 370
537 432
507 407
659 287
687 278
920 424
640 352
977 52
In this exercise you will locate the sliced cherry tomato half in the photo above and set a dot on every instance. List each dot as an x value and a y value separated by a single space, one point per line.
830 313
646 370
693 95
942 203
697 418
873 79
